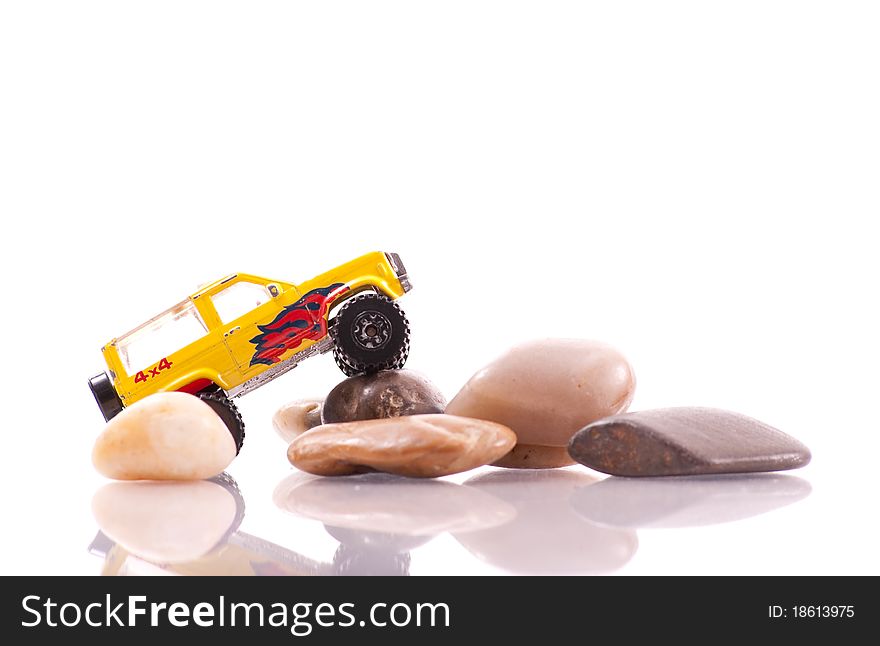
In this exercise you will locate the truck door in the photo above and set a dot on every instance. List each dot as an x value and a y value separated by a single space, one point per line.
241 307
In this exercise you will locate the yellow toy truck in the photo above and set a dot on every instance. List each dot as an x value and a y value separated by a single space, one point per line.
243 331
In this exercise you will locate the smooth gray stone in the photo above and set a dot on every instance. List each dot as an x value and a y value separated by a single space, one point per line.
685 441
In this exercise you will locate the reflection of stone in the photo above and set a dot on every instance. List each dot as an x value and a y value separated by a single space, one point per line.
372 553
377 541
546 390
390 505
378 518
350 561
547 536
685 502
165 522
186 528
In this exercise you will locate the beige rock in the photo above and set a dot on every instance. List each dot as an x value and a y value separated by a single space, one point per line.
167 436
421 446
546 390
165 522
533 456
297 417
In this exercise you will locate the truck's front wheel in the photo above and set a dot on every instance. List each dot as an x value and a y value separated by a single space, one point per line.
371 333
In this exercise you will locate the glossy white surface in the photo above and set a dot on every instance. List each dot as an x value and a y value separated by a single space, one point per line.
694 183
522 522
489 521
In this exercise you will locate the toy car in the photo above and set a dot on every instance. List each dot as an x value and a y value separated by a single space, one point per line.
242 331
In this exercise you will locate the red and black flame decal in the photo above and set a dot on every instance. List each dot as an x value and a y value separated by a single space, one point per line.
305 319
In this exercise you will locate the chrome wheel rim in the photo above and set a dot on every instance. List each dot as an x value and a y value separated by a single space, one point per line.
372 330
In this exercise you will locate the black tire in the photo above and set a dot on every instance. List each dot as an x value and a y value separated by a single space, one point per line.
228 412
370 333
105 394
343 365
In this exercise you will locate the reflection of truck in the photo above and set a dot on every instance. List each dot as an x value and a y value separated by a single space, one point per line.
239 333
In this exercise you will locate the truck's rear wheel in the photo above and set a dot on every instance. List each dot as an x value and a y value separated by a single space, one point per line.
370 333
105 394
227 411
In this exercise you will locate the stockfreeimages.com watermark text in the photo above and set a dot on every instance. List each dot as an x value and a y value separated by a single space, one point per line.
300 618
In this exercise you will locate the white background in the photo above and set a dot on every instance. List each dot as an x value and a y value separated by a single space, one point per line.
695 183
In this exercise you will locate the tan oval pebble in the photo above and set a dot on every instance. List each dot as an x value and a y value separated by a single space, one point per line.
419 446
533 456
165 522
297 417
167 436
547 390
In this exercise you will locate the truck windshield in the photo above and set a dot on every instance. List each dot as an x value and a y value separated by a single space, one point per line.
161 336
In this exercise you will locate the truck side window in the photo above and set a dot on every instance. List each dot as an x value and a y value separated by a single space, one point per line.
238 299
161 336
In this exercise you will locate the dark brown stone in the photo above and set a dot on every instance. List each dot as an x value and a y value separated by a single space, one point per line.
685 441
390 393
